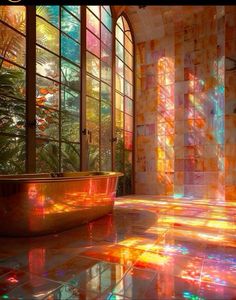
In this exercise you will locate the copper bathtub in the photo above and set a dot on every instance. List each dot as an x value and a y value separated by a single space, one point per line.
39 204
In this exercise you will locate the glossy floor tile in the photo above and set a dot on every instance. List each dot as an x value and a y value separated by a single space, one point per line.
150 247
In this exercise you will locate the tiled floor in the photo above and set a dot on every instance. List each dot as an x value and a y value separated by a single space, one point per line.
150 248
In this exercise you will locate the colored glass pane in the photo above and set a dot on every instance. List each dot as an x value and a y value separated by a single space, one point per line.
128 140
119 119
47 64
70 25
106 36
128 123
70 75
119 50
119 83
92 64
12 45
128 106
119 67
128 75
106 54
14 15
105 92
106 19
106 73
73 9
92 87
47 92
95 9
120 35
92 43
47 35
49 13
93 23
70 100
70 49
119 102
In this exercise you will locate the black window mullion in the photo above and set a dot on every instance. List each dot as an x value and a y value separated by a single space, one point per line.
30 89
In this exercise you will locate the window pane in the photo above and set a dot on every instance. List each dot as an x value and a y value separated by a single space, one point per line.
128 60
128 75
105 137
106 54
70 157
119 83
49 13
92 43
70 75
12 116
74 9
106 73
47 121
70 25
47 92
47 64
95 9
14 15
70 127
92 64
107 8
119 150
106 36
47 156
47 35
119 67
119 119
70 49
119 50
70 100
128 106
93 157
128 89
119 102
105 93
128 123
106 19
92 119
12 45
128 140
12 80
128 45
93 23
120 35
92 87
12 158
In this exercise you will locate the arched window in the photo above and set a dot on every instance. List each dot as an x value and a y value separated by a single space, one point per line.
59 79
124 106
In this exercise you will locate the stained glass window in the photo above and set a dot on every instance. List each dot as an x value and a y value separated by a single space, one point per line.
12 89
124 103
98 86
58 88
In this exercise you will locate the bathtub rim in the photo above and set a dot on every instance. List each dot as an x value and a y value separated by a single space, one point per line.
47 177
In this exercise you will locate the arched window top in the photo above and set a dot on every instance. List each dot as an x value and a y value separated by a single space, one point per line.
124 26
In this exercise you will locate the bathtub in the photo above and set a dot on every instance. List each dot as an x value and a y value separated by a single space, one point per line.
38 204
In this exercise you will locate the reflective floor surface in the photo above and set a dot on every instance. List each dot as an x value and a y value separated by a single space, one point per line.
149 248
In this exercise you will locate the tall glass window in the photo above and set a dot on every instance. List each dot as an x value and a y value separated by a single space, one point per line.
58 88
40 123
12 89
98 86
124 103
